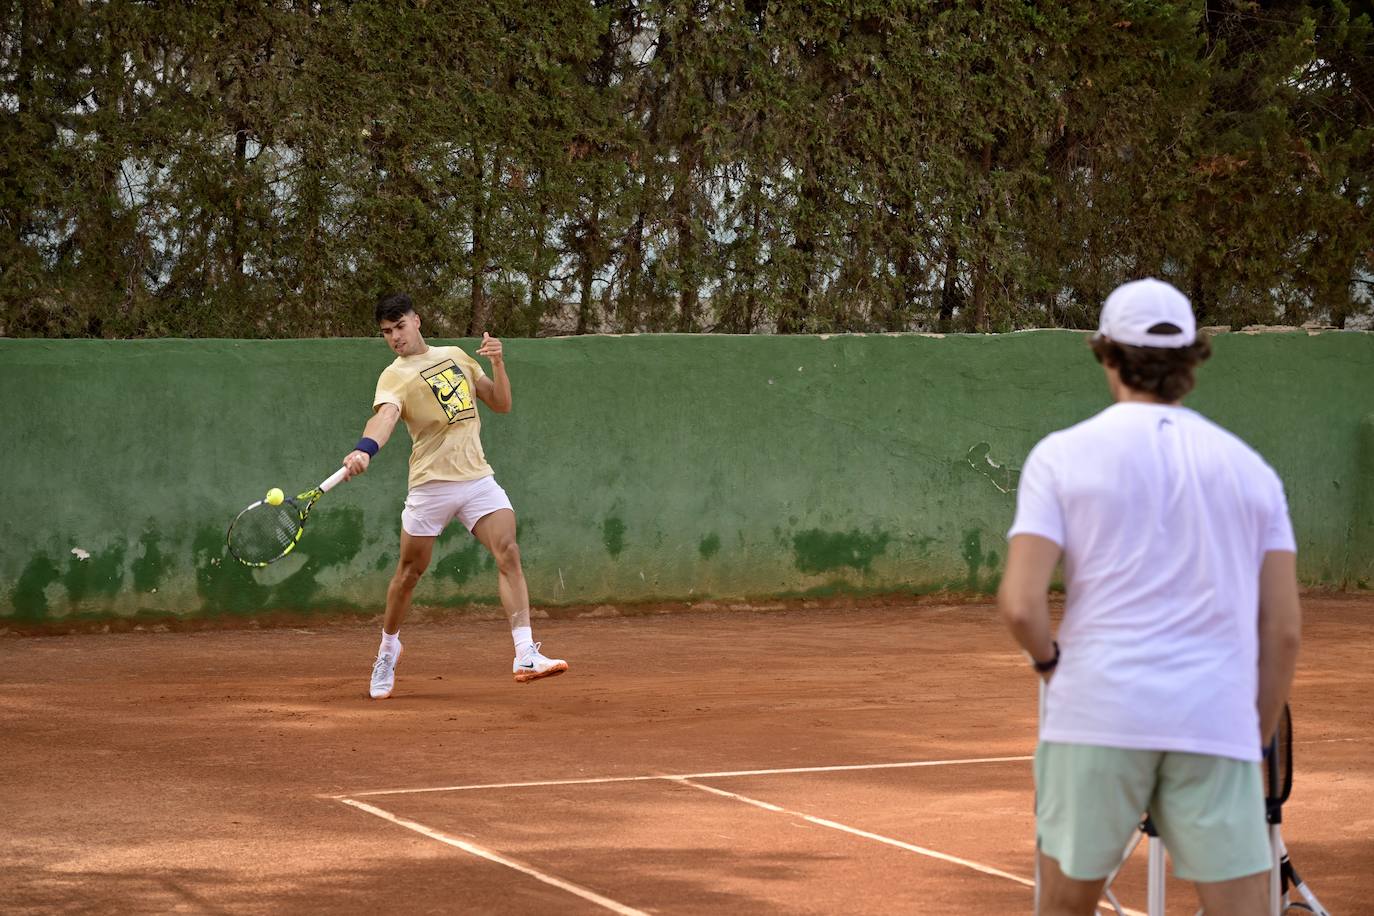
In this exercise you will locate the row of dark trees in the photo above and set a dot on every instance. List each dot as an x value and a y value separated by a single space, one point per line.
266 168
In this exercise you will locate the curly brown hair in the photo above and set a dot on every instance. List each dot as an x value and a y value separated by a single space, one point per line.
1164 372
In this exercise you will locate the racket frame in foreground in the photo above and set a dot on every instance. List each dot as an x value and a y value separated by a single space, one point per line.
302 503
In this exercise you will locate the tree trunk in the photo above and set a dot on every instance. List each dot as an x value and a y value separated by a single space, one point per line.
682 206
535 317
951 299
587 245
751 300
236 243
477 271
980 268
629 308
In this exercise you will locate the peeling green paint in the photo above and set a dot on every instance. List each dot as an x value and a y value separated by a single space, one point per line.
223 583
1002 475
333 538
100 575
709 546
29 597
460 564
1360 541
816 551
150 567
873 481
971 549
613 535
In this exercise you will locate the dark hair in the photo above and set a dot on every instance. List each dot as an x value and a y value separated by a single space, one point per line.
392 306
1165 372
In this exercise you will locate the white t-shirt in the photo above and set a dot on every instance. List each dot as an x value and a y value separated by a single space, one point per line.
1164 518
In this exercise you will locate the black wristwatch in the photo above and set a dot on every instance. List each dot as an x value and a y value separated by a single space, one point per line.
1044 667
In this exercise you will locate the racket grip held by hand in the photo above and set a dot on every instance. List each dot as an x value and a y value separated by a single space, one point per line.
333 480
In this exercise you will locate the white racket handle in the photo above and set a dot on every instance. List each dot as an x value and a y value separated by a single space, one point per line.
333 480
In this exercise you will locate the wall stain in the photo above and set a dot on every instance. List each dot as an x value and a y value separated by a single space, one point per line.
817 551
613 535
100 575
224 584
1003 476
458 566
709 546
149 567
331 539
27 597
972 552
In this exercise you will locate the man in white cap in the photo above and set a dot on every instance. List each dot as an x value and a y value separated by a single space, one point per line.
1181 624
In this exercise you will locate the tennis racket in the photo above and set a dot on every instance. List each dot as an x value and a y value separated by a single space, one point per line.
264 533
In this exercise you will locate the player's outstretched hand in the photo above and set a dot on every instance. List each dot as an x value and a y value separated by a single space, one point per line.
356 461
491 349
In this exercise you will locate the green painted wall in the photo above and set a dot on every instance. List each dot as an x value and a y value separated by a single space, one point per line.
642 468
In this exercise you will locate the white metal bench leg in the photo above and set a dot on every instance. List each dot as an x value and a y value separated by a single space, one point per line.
1276 901
1156 876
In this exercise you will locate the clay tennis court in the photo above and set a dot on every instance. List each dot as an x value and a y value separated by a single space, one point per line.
866 758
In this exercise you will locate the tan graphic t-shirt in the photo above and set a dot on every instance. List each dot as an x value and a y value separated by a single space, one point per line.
437 394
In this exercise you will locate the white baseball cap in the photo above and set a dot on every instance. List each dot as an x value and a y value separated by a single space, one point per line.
1134 312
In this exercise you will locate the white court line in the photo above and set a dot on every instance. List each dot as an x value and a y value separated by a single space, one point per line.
921 850
835 825
499 859
720 775
686 779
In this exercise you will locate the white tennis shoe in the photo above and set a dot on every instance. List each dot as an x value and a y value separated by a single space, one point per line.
533 665
384 674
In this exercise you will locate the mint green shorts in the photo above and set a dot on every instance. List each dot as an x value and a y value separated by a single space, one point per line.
1209 811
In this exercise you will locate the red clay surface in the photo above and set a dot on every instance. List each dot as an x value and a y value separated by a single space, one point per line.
199 772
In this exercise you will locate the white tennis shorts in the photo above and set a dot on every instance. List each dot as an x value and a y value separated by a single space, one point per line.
431 506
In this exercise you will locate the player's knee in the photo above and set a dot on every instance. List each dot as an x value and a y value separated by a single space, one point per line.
1061 895
1071 898
508 556
409 573
1068 904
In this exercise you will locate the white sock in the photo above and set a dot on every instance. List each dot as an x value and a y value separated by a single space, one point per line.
523 638
390 643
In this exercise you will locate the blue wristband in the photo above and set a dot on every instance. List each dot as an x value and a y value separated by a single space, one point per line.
368 445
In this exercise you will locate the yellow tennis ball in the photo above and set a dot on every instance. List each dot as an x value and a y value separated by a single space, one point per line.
275 496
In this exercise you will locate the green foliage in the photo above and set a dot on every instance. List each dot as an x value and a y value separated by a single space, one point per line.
266 169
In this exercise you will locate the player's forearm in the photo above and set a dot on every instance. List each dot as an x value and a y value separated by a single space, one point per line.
1028 619
500 400
380 427
1023 597
1280 635
1276 679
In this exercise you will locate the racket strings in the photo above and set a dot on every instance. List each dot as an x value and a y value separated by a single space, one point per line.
265 532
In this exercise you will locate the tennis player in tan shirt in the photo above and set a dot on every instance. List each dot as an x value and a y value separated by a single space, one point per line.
435 391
